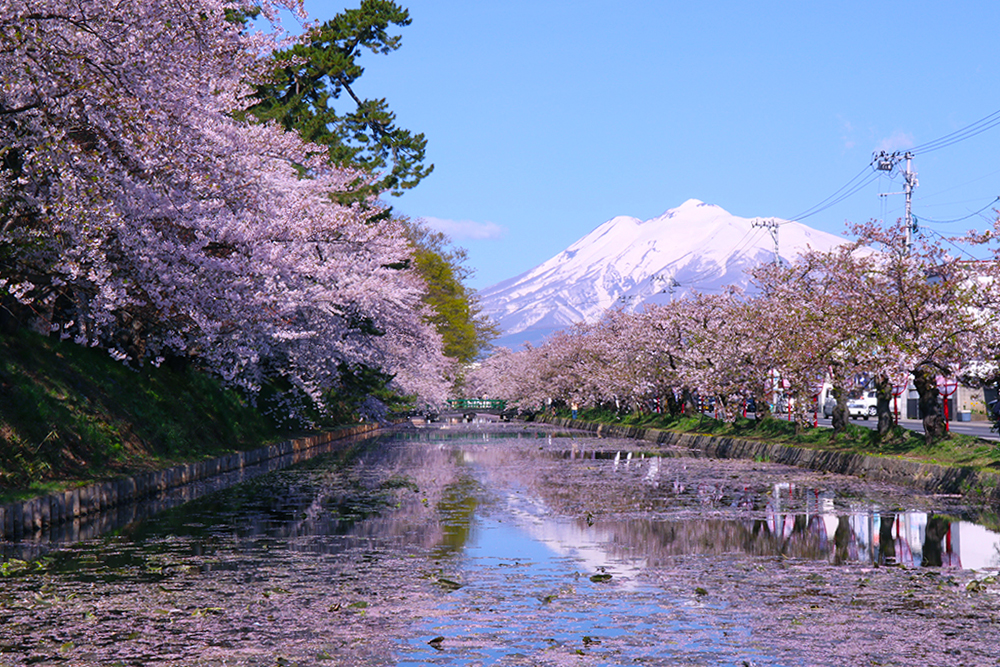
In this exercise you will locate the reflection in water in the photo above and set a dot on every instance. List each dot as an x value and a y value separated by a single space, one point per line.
869 535
320 498
789 520
517 548
91 526
364 497
538 556
863 536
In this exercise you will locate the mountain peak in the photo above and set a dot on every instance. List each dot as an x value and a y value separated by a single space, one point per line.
689 207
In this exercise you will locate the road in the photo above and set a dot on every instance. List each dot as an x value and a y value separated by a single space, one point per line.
975 429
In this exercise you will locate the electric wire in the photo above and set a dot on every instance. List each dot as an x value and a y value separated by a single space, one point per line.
704 273
948 222
733 255
861 181
960 185
967 132
854 190
840 195
853 186
749 241
883 203
748 246
952 244
746 242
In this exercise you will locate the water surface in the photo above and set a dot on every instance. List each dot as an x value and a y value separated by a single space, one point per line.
503 545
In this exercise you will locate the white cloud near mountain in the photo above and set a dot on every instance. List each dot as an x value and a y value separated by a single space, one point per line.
459 230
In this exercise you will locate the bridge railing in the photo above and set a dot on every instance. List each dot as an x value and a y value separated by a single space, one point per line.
478 404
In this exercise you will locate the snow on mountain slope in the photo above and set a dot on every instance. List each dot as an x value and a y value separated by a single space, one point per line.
628 262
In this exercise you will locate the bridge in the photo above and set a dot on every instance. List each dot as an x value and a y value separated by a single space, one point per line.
480 404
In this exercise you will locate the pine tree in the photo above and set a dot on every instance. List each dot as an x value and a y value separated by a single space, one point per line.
305 90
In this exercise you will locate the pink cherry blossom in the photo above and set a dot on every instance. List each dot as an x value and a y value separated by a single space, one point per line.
143 215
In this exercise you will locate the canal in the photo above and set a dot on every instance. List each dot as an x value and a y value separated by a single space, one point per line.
511 544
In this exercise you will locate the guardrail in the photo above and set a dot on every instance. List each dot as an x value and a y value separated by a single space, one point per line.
498 404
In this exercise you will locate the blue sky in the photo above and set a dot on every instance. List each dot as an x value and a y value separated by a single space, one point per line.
544 119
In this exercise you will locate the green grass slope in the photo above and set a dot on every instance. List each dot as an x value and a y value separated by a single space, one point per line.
70 414
954 450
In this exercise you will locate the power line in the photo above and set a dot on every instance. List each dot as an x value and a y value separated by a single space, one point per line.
848 189
748 241
960 185
948 222
742 249
855 185
749 234
952 244
967 132
883 161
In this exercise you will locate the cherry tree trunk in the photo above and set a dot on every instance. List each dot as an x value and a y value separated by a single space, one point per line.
691 406
840 417
674 406
883 394
924 380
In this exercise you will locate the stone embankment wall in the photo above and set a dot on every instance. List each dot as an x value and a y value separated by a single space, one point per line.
926 477
45 514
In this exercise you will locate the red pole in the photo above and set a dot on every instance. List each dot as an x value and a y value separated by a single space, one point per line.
946 430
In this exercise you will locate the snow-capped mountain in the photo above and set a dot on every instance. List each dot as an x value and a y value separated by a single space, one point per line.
627 262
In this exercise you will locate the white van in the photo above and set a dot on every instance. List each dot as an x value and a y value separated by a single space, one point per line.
864 407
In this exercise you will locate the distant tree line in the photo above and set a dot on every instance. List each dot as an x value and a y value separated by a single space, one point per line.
872 308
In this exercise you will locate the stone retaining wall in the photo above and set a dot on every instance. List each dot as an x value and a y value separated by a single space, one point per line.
31 517
926 477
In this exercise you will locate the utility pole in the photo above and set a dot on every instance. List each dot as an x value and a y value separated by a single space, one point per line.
887 162
669 281
772 225
910 180
671 284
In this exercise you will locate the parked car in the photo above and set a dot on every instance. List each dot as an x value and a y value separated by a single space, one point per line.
864 406
828 407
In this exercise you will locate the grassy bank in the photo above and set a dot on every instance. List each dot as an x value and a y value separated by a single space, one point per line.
71 415
956 450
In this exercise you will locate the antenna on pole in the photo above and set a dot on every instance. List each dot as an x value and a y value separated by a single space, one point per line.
772 225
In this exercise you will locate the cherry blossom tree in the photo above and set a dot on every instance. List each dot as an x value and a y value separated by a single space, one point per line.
138 214
816 328
929 311
720 358
881 308
595 363
984 367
